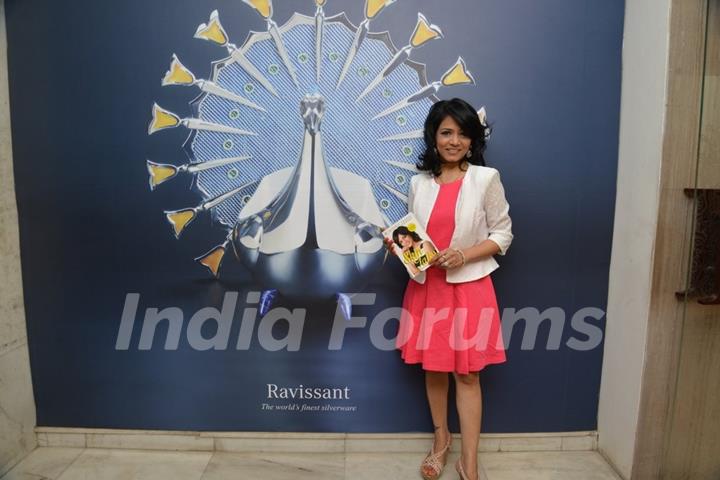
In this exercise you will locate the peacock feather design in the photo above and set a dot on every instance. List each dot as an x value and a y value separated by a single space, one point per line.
302 145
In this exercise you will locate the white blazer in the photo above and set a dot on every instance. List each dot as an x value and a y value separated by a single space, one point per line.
481 213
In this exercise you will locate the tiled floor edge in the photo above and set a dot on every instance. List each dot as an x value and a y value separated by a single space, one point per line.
612 465
302 442
13 462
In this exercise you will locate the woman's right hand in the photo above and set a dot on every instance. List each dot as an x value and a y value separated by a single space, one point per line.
389 246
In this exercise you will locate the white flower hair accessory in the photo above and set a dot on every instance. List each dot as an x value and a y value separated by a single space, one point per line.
482 115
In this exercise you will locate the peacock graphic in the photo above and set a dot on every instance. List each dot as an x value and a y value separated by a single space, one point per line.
302 146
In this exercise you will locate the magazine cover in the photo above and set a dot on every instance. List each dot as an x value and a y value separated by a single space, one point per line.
413 246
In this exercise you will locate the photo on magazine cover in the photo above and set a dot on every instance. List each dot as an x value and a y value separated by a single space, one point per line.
413 246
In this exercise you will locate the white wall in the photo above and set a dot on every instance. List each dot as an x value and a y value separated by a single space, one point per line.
17 407
644 81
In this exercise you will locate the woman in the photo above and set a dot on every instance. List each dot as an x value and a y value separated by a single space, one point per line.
450 321
416 252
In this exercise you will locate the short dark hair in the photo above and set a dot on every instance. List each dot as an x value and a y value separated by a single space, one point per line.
403 230
466 116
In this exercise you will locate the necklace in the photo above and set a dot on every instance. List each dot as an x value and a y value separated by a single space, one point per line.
446 182
457 177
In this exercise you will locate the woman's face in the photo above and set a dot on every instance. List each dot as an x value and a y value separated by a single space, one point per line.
405 240
452 143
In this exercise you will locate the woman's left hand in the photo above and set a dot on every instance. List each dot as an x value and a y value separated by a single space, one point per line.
447 259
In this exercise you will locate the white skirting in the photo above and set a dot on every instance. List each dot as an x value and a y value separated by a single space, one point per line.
301 442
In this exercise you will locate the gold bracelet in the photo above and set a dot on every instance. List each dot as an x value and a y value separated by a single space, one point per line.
462 255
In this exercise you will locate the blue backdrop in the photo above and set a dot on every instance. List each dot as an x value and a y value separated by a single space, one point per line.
83 76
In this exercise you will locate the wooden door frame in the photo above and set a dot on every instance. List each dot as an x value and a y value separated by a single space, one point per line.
673 235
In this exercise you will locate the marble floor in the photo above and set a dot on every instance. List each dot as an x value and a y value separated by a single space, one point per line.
104 464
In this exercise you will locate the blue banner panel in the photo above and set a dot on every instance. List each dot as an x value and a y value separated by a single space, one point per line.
201 187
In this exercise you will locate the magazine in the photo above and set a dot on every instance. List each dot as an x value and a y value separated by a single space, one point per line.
413 246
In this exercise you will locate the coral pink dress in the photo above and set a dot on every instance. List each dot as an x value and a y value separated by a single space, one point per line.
449 327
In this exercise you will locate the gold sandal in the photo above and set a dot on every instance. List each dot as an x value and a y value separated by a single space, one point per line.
461 471
434 462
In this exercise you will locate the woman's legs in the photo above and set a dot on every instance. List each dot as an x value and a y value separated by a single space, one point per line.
468 399
436 387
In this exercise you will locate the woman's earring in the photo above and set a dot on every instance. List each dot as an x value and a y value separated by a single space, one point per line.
435 150
468 154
